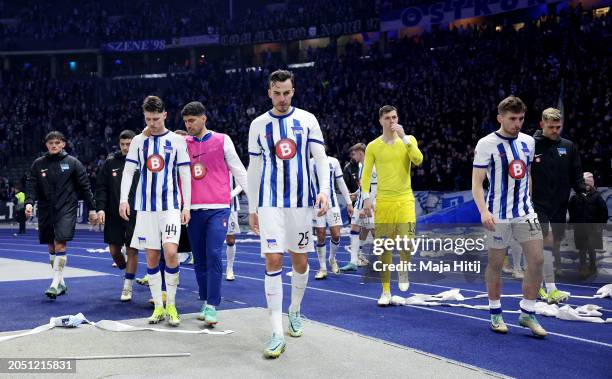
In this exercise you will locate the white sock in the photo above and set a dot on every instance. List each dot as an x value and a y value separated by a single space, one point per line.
321 255
354 247
172 281
231 253
548 270
58 267
155 282
209 306
333 248
273 284
494 304
527 306
298 286
51 259
127 284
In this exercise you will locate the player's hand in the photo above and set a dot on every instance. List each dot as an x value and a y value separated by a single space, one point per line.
254 222
322 203
29 209
349 209
354 196
488 221
124 211
397 128
146 131
185 216
367 209
101 217
93 217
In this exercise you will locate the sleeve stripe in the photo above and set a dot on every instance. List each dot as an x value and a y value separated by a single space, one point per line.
255 154
481 165
131 160
315 140
183 163
339 176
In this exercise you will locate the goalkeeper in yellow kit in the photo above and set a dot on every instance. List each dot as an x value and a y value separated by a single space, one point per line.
393 153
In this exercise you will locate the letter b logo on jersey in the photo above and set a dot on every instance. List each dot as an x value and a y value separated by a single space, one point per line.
286 149
155 163
517 169
198 171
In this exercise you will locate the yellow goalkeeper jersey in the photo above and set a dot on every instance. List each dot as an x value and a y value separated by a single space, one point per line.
393 163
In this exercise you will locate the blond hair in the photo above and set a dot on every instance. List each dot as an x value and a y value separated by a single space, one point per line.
551 114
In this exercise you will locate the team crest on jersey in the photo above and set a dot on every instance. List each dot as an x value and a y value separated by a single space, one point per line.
142 240
168 149
562 151
297 129
198 171
517 169
271 243
64 167
155 163
285 149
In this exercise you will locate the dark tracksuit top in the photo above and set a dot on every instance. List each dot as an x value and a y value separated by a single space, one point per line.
57 181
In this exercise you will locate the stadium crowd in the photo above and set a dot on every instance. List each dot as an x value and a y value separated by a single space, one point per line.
446 85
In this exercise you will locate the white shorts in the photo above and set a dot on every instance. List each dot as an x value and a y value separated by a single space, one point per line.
522 229
282 229
331 218
233 227
154 228
366 222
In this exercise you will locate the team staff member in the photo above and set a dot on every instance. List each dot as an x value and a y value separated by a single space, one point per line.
556 169
118 232
57 180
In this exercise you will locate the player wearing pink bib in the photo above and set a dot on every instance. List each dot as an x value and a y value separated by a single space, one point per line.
212 157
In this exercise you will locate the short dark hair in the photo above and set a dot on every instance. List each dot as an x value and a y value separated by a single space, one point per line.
55 134
386 109
511 104
181 132
153 104
281 76
195 108
358 146
127 134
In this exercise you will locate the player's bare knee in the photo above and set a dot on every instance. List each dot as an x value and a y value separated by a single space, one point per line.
230 239
274 262
320 235
335 233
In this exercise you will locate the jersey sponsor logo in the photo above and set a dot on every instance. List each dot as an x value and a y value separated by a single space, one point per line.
155 163
517 169
286 149
198 171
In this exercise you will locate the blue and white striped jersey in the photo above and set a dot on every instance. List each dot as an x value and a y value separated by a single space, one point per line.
285 143
373 186
335 172
235 202
507 163
158 158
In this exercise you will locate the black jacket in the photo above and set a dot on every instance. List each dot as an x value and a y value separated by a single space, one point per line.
108 185
351 176
589 215
57 182
555 170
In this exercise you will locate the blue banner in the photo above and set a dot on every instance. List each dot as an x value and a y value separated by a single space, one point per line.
126 46
447 11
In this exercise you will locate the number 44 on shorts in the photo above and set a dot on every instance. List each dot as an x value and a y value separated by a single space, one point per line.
171 229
